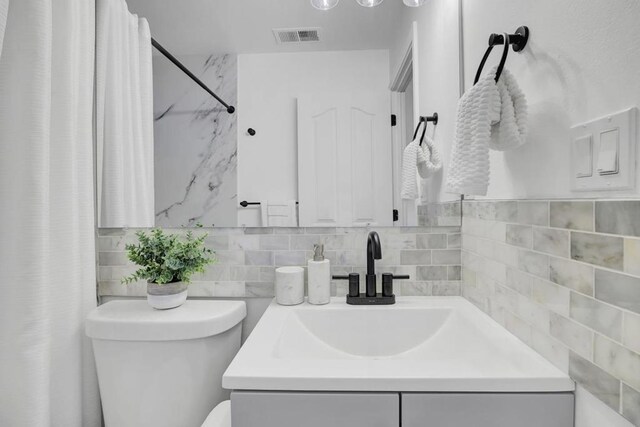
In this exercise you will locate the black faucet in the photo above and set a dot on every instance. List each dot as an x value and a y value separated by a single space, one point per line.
374 252
370 297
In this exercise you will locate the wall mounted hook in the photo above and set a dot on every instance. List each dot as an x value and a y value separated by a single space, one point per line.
518 40
432 118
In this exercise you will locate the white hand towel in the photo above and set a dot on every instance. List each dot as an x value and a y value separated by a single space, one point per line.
478 108
279 214
428 158
410 171
489 115
511 130
469 170
418 161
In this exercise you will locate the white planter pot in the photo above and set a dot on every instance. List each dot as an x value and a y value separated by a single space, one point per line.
164 297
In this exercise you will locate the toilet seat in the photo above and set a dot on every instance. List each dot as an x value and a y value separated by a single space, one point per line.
220 416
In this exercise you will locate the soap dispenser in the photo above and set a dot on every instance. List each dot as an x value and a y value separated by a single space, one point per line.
319 277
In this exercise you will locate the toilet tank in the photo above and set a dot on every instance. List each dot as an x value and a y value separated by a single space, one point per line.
162 368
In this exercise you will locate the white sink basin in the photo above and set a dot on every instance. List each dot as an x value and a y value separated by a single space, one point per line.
371 332
430 344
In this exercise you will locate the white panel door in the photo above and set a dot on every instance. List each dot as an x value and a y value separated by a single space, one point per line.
344 159
317 166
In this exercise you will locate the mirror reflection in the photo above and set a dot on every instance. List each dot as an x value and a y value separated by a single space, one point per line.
278 113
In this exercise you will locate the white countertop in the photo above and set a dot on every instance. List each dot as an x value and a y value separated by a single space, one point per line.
430 344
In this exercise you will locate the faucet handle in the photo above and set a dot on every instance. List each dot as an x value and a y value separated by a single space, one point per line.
354 283
387 282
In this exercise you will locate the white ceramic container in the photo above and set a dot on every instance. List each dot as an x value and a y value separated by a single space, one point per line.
289 285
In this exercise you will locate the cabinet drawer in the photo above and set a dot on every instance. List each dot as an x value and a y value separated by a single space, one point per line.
276 409
487 410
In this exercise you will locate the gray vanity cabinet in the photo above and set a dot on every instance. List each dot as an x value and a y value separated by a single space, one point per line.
316 409
487 410
344 409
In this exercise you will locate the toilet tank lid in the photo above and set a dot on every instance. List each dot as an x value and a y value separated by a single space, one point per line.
135 320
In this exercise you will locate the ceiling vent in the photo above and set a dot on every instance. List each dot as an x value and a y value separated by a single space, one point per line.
296 35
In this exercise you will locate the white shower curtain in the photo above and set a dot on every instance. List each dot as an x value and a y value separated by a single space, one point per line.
124 117
47 244
4 9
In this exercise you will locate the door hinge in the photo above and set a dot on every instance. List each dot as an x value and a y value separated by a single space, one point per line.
394 120
396 215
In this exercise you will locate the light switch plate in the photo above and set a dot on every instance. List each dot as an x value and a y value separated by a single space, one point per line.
613 153
582 152
609 154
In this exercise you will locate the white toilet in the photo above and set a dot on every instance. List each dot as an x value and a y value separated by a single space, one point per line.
163 368
220 416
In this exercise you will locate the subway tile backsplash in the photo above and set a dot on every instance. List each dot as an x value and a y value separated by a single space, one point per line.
564 276
618 217
247 258
602 250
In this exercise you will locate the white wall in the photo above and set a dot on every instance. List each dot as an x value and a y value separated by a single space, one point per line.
268 85
437 78
582 63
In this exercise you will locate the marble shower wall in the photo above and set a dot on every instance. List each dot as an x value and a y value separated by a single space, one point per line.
195 142
563 276
248 257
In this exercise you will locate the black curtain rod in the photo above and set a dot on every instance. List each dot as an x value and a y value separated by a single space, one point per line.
230 108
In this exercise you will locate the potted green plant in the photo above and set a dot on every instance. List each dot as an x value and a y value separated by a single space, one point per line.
167 262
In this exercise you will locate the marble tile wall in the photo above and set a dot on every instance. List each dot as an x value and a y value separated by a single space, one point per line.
195 143
447 214
564 276
247 258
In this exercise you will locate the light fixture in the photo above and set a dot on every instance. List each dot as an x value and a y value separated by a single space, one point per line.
324 4
369 3
330 4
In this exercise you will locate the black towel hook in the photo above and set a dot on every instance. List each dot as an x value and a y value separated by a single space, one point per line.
425 119
518 40
503 60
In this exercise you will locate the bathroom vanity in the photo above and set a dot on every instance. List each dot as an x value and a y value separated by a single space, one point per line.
419 363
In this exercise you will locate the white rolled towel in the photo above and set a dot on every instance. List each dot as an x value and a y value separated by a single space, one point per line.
418 161
510 131
428 158
279 213
409 189
489 115
468 172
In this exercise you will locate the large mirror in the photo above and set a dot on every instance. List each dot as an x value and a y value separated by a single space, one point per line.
325 103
